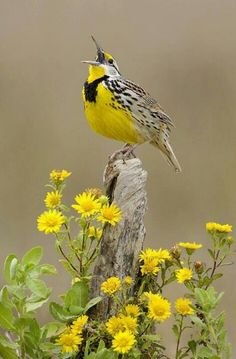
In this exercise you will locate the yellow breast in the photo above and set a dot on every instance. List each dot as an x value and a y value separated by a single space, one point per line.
108 118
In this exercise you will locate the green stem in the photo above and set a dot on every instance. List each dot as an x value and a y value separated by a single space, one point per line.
72 246
179 337
67 259
214 266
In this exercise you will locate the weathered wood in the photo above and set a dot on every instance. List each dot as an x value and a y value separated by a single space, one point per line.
125 185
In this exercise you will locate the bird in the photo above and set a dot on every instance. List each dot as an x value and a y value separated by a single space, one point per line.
118 108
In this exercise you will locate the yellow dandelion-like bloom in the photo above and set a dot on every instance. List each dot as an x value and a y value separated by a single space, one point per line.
50 221
111 285
95 232
160 255
53 199
128 280
183 306
123 342
159 308
129 323
217 227
150 266
87 204
188 245
132 310
58 176
114 325
183 274
149 296
78 324
69 341
110 214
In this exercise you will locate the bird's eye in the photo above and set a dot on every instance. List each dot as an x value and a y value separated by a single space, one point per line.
111 61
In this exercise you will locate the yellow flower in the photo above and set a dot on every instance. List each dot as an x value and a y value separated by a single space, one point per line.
123 342
217 227
95 232
132 309
160 255
150 266
69 341
129 323
58 176
78 324
53 199
111 285
114 325
128 280
110 214
183 306
188 245
87 204
183 274
158 308
50 221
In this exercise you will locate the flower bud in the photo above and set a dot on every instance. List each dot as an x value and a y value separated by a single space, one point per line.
175 252
199 267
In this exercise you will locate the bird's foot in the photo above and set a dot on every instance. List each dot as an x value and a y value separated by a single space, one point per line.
124 153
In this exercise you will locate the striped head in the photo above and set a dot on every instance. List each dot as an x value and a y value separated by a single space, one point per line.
103 65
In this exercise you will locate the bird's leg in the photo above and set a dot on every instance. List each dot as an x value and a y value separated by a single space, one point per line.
124 153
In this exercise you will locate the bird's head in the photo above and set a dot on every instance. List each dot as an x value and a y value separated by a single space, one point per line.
104 64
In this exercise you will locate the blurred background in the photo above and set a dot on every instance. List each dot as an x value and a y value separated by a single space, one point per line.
183 52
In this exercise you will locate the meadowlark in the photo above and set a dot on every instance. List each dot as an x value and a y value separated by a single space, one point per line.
122 110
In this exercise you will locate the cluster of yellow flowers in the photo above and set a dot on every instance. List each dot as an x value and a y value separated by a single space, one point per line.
217 227
123 328
152 259
71 338
114 284
90 204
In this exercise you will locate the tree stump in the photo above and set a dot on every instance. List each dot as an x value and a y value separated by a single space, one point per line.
124 181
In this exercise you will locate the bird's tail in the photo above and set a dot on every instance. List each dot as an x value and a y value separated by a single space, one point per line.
168 153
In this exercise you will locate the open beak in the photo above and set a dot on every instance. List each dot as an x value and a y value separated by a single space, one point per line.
100 55
93 63
100 52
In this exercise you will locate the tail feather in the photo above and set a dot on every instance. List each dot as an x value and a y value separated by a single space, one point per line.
168 153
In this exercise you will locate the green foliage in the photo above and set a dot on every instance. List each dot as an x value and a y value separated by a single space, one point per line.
77 331
23 293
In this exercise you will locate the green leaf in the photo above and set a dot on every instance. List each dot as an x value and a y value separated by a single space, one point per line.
31 306
59 313
4 298
7 266
175 329
76 310
52 328
33 256
7 353
77 295
38 287
92 303
47 269
6 343
211 253
192 345
6 318
154 338
196 320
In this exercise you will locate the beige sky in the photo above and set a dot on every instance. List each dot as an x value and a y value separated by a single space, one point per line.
183 52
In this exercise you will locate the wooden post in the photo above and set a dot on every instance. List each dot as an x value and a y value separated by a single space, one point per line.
120 246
